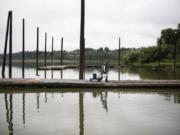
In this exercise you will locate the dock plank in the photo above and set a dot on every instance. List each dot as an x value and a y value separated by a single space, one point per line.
34 82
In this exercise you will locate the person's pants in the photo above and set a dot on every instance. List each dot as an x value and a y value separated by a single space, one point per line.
105 76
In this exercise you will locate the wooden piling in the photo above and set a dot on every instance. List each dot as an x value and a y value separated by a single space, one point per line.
37 52
119 51
5 47
159 52
10 45
23 47
52 51
62 51
82 45
45 51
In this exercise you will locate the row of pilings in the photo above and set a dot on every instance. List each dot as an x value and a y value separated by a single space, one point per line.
9 36
8 40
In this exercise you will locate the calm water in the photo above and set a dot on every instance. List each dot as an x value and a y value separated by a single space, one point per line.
91 112
132 73
126 112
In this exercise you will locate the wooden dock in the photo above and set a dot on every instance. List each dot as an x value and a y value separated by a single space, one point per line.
57 67
87 84
61 67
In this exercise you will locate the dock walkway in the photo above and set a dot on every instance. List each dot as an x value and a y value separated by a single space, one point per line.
87 84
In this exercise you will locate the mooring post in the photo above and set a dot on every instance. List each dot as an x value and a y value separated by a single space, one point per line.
23 46
52 51
45 51
10 46
82 45
5 47
84 59
119 51
119 77
37 52
159 51
62 51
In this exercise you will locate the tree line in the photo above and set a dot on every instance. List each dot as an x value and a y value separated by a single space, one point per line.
166 49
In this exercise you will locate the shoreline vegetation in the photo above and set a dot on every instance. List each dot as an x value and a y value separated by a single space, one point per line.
164 54
163 64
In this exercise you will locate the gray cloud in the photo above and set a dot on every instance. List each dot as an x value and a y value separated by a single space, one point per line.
138 22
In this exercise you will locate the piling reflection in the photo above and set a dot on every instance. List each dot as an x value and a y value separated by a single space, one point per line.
61 74
81 114
173 97
46 97
45 74
24 120
9 112
37 97
177 98
52 74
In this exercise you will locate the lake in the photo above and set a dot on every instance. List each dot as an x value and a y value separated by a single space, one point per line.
92 112
132 73
26 111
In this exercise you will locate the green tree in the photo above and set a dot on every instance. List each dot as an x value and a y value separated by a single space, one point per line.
171 37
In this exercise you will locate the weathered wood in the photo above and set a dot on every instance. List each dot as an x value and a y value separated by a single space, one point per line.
52 51
119 50
37 52
23 46
10 45
62 50
159 42
5 47
58 67
82 45
88 84
45 51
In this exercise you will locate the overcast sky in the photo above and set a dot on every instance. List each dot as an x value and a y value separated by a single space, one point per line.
137 22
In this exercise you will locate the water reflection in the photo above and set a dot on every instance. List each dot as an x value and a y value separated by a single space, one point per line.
176 98
37 97
9 112
45 97
123 73
101 95
24 120
81 114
